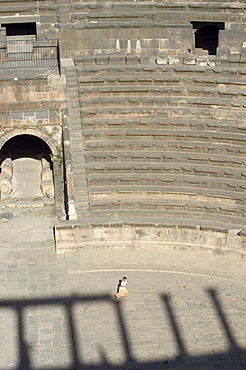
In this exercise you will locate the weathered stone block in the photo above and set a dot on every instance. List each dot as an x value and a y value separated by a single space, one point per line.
190 59
117 59
243 55
232 39
202 61
132 59
102 59
223 53
175 59
162 60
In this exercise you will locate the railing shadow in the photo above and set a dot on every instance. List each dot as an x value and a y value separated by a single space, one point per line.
226 359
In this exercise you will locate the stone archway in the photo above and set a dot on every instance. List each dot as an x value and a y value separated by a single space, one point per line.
51 143
26 165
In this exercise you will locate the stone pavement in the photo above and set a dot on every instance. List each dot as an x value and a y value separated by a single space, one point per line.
185 310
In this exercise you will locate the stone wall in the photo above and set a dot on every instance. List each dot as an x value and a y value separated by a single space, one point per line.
218 241
32 102
148 28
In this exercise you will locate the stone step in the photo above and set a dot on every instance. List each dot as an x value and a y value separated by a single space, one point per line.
130 8
160 192
158 72
211 170
168 218
212 146
159 111
162 134
166 180
164 123
137 218
99 92
184 206
145 81
27 6
165 101
225 159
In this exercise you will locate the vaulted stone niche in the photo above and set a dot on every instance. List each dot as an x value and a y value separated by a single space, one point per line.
207 36
26 169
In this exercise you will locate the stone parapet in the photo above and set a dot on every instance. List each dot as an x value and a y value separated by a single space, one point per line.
223 59
186 235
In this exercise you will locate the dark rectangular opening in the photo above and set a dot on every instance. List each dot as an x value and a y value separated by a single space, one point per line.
20 29
207 35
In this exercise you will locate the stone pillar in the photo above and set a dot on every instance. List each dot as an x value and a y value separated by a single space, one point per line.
71 210
59 189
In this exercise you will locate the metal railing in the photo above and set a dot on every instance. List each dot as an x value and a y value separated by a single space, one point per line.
29 53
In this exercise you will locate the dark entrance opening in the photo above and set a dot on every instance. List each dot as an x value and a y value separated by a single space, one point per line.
20 29
207 35
26 169
26 146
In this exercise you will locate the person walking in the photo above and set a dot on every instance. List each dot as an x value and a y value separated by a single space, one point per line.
122 291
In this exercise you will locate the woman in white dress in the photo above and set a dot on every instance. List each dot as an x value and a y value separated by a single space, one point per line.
122 292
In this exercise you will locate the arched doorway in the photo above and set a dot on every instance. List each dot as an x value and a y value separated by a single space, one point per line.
26 168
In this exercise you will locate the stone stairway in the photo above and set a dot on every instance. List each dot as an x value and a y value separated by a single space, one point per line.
75 159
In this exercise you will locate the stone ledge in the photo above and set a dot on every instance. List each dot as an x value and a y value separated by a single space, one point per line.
196 209
224 59
71 236
204 156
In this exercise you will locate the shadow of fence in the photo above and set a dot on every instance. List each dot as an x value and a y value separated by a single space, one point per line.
233 358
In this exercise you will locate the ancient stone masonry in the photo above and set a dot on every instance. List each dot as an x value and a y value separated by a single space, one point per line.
138 123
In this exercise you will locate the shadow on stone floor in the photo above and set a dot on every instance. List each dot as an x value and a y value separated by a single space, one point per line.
234 358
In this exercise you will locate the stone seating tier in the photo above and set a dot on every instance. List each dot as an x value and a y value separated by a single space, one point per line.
113 113
160 141
29 7
183 180
136 90
141 218
158 101
145 192
105 75
145 149
115 65
195 167
91 10
164 123
186 208
163 91
149 136
223 157
175 3
217 175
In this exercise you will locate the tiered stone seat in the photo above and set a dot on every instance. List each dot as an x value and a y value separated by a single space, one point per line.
164 143
179 11
176 94
28 7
